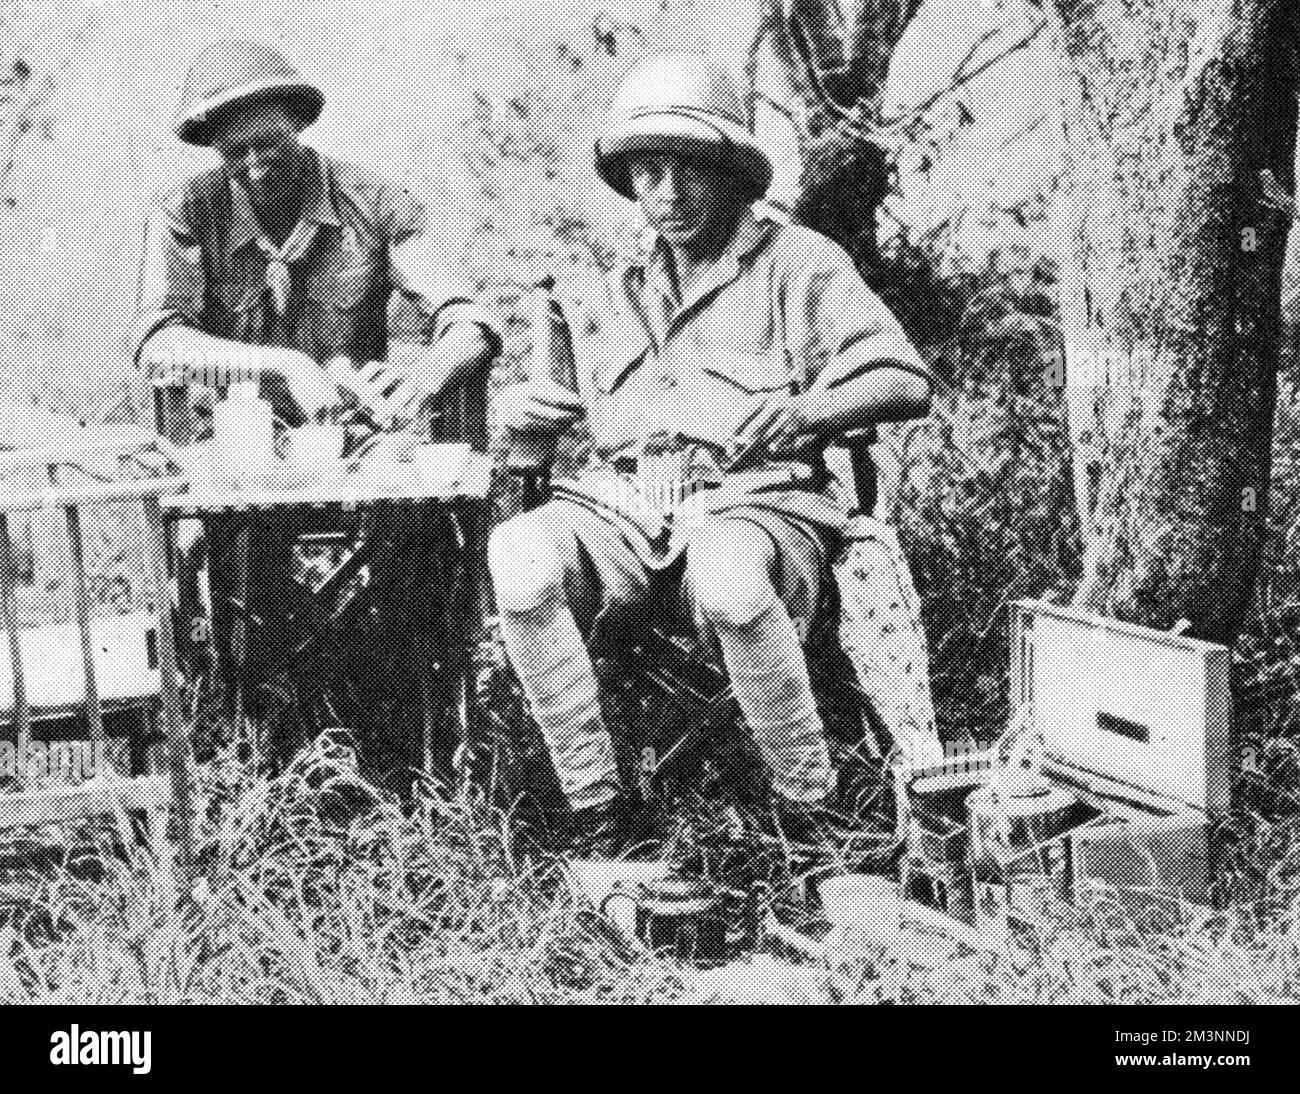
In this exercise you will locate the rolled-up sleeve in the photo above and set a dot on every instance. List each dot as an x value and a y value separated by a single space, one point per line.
838 322
426 267
172 283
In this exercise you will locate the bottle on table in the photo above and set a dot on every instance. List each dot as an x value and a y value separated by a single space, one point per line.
552 359
243 427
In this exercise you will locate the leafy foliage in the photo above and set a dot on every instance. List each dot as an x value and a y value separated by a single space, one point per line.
984 504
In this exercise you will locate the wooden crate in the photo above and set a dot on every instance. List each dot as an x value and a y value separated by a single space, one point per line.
1137 725
53 670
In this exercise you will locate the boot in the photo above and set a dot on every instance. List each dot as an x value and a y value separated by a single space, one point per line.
810 844
806 827
600 831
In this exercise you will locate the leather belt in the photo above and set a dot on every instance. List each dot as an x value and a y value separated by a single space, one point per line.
790 470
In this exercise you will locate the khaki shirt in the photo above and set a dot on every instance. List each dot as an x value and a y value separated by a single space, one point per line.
781 306
670 384
203 267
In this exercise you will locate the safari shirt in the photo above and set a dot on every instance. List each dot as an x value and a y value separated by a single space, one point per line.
672 383
203 267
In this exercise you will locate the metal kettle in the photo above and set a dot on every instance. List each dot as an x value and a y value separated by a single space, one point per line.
679 916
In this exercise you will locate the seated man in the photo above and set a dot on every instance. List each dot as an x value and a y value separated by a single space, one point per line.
740 348
280 261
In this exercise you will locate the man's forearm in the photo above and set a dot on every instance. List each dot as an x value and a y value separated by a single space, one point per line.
463 350
879 395
190 356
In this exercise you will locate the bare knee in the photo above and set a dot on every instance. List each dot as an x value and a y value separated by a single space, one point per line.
730 578
525 564
736 604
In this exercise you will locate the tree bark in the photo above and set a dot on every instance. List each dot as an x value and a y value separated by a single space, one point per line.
838 67
1171 296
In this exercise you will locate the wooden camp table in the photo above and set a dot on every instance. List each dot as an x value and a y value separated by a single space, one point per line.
233 512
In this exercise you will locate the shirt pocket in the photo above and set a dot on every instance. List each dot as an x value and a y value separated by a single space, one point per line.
344 305
752 373
345 287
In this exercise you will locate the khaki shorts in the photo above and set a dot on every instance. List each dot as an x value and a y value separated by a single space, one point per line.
609 584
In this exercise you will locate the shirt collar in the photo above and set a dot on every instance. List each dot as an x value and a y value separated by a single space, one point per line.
318 205
751 234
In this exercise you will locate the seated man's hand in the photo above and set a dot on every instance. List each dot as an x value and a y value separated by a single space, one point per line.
538 406
779 426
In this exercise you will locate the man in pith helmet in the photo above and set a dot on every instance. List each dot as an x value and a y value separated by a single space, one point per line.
294 253
740 347
280 264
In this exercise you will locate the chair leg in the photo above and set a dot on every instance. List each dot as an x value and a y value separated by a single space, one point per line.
150 828
143 743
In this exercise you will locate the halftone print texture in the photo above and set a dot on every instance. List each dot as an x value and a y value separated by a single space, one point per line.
783 501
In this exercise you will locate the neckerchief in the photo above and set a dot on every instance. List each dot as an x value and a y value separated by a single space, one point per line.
279 259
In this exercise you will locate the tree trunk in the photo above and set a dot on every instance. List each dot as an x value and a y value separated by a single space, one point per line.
838 67
1170 299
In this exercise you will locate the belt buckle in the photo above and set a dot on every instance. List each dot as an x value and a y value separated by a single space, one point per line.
661 466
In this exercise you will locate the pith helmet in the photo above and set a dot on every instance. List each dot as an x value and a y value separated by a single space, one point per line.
681 102
233 72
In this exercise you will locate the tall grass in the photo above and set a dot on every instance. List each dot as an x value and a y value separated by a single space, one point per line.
314 888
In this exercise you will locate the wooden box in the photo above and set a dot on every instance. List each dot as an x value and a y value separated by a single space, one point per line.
126 665
1136 725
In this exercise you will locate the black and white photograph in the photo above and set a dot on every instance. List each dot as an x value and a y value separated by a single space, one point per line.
787 502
